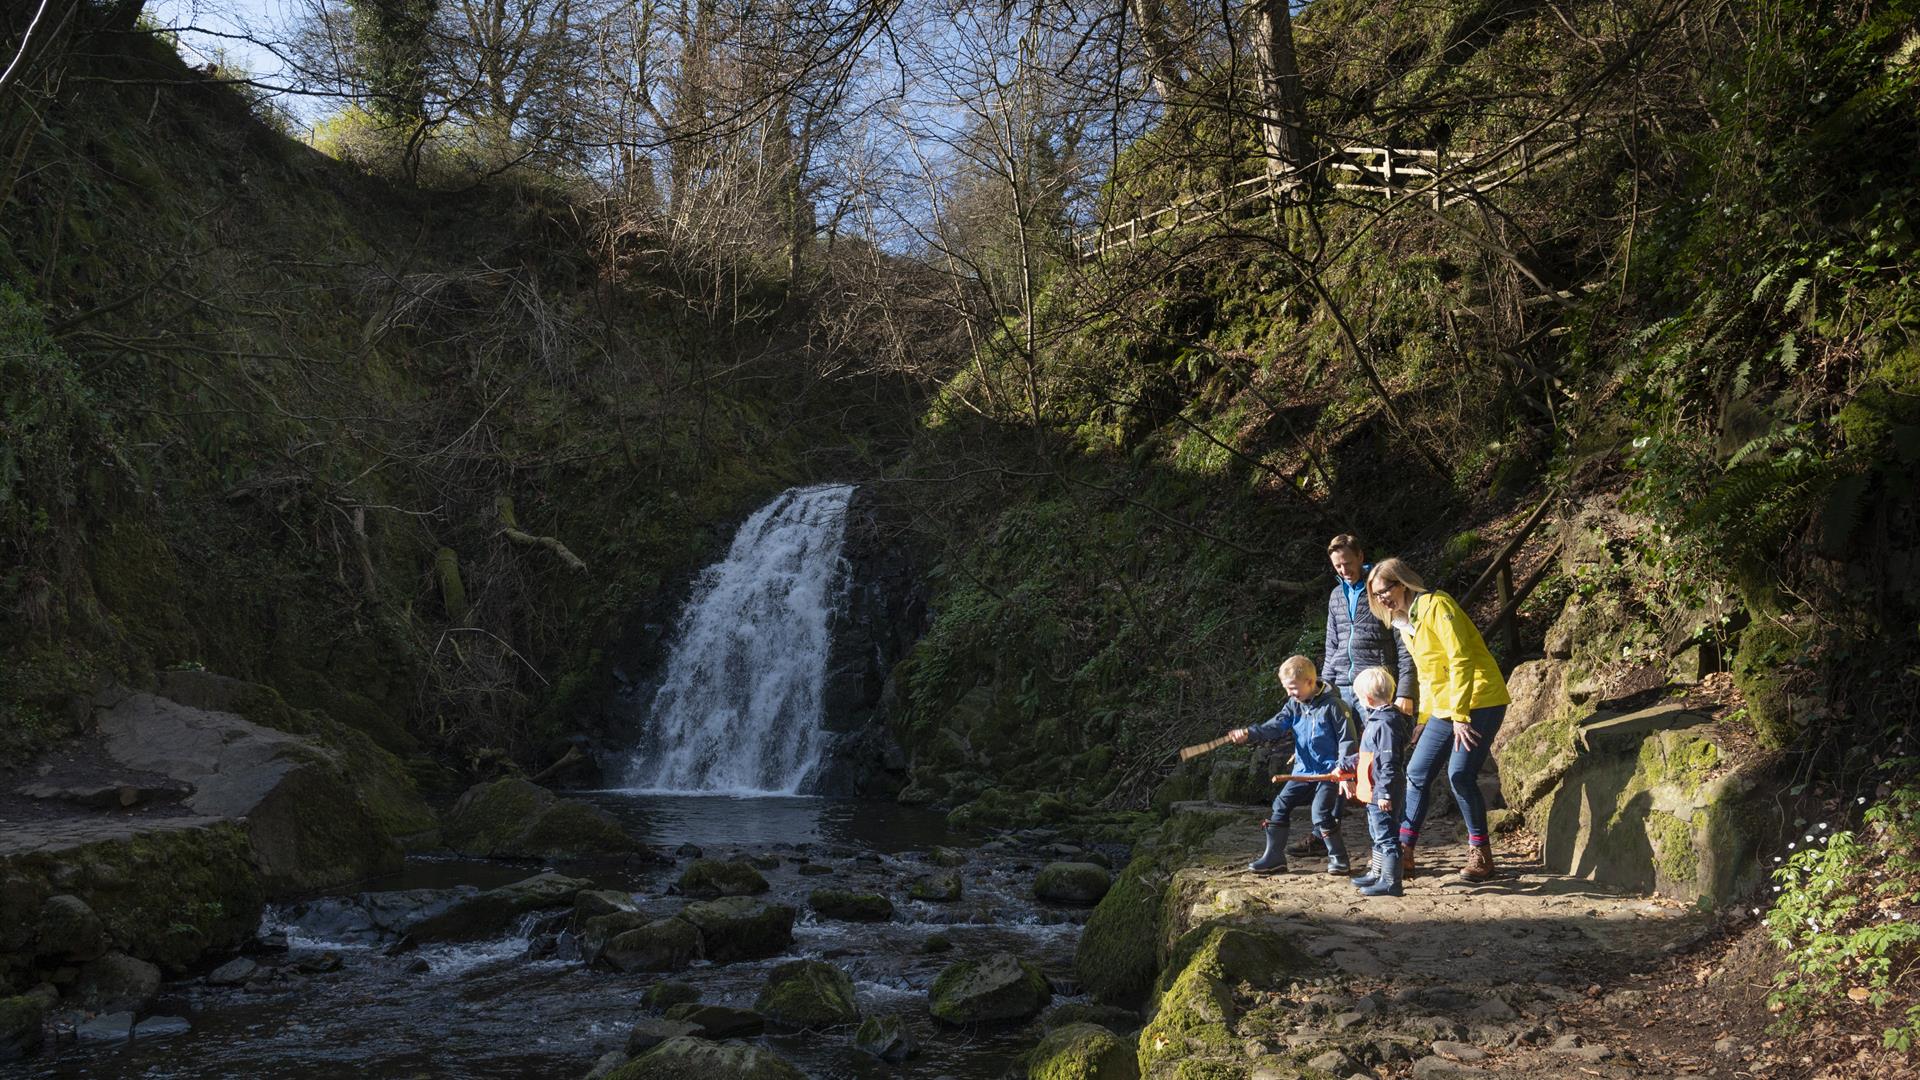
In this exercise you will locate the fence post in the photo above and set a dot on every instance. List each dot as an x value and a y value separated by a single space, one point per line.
1386 167
1510 620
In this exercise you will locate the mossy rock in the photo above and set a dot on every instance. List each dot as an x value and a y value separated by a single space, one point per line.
740 928
594 903
1118 954
719 1021
661 945
687 1058
708 879
1002 987
850 906
808 994
947 857
595 933
515 819
1072 882
1195 1011
665 995
1759 670
168 896
887 1038
21 1017
941 886
1112 1017
1083 1052
493 913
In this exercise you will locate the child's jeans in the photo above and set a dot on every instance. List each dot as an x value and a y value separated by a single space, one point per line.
1463 772
1324 795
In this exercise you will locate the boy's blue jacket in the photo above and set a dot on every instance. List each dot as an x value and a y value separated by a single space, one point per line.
1383 734
1321 729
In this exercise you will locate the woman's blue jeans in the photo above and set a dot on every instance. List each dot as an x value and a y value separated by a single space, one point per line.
1463 772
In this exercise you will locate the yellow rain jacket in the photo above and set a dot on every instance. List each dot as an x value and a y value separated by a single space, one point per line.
1457 673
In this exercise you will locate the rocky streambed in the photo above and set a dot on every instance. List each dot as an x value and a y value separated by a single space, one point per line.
782 920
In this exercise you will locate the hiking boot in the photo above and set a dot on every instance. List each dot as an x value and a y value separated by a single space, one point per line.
1479 863
1406 862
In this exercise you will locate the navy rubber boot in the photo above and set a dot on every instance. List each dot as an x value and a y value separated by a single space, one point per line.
1389 883
1274 859
1373 870
1336 851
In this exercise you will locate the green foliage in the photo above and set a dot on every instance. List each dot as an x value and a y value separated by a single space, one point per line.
1846 918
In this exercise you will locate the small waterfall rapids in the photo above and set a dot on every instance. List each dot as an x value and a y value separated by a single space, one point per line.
739 709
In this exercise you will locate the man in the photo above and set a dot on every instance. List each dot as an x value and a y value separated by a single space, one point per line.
1356 640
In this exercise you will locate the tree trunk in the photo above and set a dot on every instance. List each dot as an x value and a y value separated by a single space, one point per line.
1283 108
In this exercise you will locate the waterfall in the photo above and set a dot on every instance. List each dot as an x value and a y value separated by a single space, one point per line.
739 708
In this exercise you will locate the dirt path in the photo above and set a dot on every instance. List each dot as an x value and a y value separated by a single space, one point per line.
1509 978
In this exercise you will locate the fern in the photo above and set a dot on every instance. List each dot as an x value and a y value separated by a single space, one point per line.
1766 283
1741 383
1797 295
1762 444
1788 352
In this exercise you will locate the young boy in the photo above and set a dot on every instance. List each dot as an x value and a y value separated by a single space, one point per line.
1380 778
1321 728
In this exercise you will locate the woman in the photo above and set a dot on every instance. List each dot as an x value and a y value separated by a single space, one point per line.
1463 698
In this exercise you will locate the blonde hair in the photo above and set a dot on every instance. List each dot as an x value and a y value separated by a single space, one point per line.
1394 571
1374 685
1297 666
1344 542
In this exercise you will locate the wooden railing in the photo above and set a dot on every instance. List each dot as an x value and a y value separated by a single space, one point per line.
1445 179
1500 575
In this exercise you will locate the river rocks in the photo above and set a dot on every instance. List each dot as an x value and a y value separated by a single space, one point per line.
1072 883
160 1027
887 1038
234 972
1083 1052
20 1024
652 1031
69 930
808 994
105 1027
492 913
661 945
117 982
850 906
685 1058
594 934
1001 987
665 995
515 819
719 1021
814 869
738 928
593 903
708 879
947 857
941 886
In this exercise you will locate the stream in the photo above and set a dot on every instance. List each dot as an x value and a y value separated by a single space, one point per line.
490 1009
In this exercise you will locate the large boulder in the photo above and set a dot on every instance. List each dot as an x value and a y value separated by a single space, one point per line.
117 983
167 890
808 994
594 934
739 928
69 930
309 826
850 906
708 879
661 945
1072 882
1001 987
1083 1052
686 1058
494 912
719 1021
370 918
516 819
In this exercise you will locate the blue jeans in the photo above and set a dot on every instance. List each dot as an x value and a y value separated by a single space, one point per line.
1463 773
1324 796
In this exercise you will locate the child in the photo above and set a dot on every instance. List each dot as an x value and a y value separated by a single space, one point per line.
1321 727
1379 779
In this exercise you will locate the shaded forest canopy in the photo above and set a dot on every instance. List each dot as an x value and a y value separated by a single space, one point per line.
409 429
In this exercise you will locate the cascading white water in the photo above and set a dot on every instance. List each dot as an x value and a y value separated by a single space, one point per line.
739 709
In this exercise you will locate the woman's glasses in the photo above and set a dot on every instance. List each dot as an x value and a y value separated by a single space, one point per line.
1386 591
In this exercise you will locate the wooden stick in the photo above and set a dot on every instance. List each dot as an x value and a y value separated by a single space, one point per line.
1313 777
1194 751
